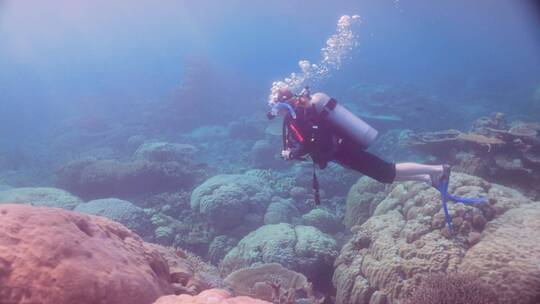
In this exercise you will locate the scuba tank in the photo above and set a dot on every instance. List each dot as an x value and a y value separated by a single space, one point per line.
345 121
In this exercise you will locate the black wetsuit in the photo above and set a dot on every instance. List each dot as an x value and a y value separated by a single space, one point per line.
311 134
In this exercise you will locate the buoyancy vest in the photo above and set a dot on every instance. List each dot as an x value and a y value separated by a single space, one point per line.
314 132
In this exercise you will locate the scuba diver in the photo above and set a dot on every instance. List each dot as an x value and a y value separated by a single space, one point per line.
317 125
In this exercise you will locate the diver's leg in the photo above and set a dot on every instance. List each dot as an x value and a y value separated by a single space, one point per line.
367 164
417 178
409 169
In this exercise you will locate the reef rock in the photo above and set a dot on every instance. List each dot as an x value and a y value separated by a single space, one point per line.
226 200
47 197
55 256
211 296
120 211
300 248
508 256
406 238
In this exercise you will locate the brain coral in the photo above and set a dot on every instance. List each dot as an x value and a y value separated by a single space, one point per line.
226 199
405 238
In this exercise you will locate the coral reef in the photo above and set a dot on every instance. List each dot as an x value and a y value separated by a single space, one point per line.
508 254
300 248
226 201
91 178
280 211
386 106
50 255
209 296
334 180
265 155
165 152
323 220
454 288
40 196
362 199
391 146
219 247
405 238
247 128
272 282
493 149
120 211
189 274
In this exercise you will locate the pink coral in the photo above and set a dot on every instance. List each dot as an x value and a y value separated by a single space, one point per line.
50 255
211 296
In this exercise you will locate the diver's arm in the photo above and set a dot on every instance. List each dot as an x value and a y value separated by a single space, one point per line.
295 148
297 152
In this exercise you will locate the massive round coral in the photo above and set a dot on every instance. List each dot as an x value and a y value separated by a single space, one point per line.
211 296
121 211
49 255
508 256
301 248
41 196
226 200
406 238
93 179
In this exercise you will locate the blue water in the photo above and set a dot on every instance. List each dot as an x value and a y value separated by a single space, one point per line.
62 53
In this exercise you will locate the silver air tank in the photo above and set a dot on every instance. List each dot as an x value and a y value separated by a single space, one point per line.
341 118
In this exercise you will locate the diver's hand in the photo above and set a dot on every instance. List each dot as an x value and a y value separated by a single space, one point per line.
286 154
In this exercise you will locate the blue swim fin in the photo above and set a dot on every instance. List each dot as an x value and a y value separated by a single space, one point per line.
442 186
